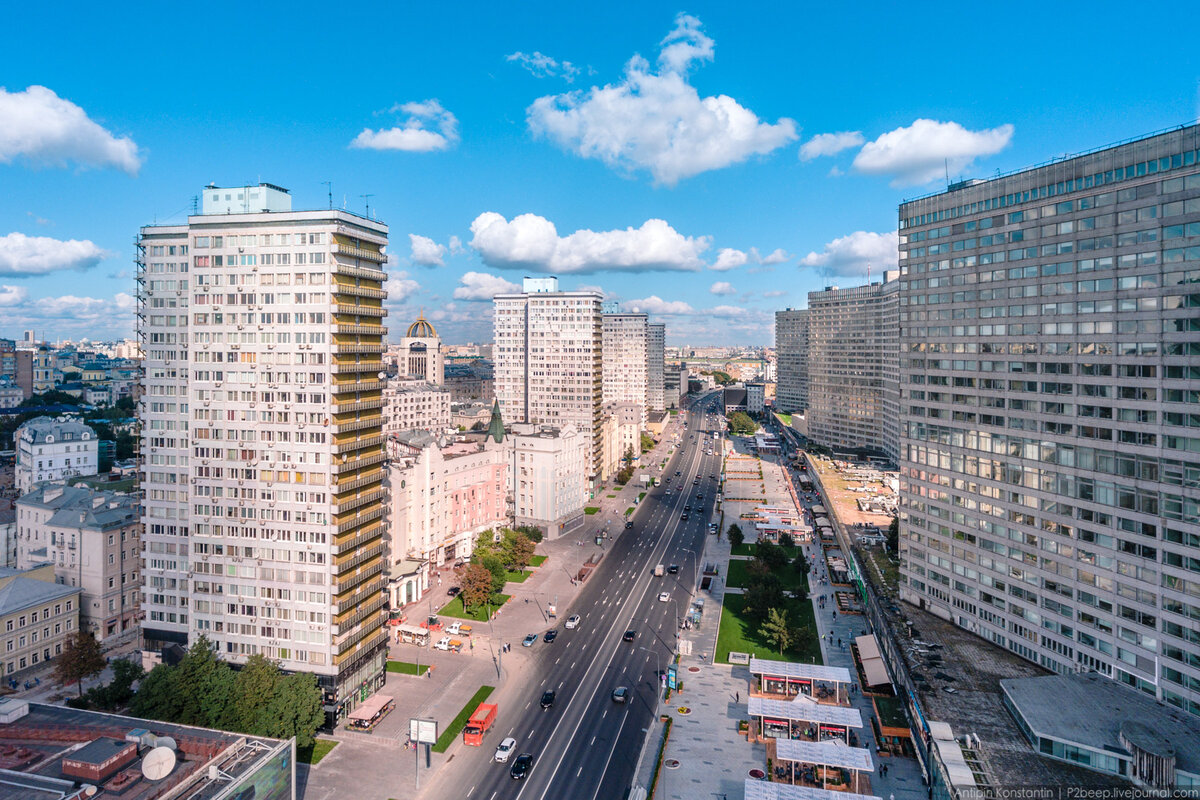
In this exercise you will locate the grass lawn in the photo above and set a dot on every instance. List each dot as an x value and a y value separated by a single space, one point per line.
406 668
589 510
891 712
455 727
455 609
314 754
738 576
746 549
629 511
640 496
537 561
516 576
735 633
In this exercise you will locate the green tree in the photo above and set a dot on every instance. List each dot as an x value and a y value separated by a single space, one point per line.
647 442
496 567
736 537
762 594
476 585
532 531
522 550
253 684
125 445
786 540
294 709
204 684
157 697
741 423
119 690
628 457
778 630
80 659
893 536
772 555
800 564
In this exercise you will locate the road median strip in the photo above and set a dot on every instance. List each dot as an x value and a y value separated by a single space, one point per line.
456 725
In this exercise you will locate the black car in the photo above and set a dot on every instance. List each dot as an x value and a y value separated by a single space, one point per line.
547 699
521 766
687 508
628 637
684 516
673 569
677 472
453 591
550 635
620 694
629 524
699 495
696 482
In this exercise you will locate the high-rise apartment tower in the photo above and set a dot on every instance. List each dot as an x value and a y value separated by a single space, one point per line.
262 442
1050 411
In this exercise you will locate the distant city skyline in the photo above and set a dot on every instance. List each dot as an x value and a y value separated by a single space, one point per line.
705 167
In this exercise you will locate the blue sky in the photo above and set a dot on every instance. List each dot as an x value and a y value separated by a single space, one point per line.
708 163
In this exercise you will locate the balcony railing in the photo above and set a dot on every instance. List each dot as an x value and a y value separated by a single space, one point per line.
360 252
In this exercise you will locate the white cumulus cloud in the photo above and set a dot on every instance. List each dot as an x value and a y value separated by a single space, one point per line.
22 255
482 286
426 251
776 256
12 295
774 293
543 66
850 255
40 126
829 144
655 120
532 242
656 305
426 127
729 258
928 149
725 311
722 287
400 287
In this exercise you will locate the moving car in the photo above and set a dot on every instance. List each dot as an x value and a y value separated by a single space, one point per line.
453 591
521 766
547 699
506 747
684 516
620 694
529 640
664 597
572 622
673 569
629 524
550 635
629 634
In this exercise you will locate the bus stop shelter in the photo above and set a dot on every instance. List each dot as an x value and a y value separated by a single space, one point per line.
803 718
791 679
761 790
813 762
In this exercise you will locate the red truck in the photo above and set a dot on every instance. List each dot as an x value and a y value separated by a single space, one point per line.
479 723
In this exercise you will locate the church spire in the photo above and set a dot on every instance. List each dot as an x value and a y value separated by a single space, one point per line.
496 426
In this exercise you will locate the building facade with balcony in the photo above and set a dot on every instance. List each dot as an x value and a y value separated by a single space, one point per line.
262 441
50 449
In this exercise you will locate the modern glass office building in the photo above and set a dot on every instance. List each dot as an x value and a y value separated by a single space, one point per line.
1050 411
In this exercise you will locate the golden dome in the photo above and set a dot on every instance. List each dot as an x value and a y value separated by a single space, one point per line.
421 329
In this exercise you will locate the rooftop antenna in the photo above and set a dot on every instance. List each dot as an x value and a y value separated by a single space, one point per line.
329 186
195 204
367 199
947 163
868 273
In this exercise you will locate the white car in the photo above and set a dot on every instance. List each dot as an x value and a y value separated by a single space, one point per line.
572 622
442 644
664 597
504 750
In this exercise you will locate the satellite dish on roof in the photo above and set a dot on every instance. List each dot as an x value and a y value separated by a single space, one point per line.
158 763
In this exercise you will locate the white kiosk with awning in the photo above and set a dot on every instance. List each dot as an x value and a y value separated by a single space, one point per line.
802 717
822 757
761 790
791 678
